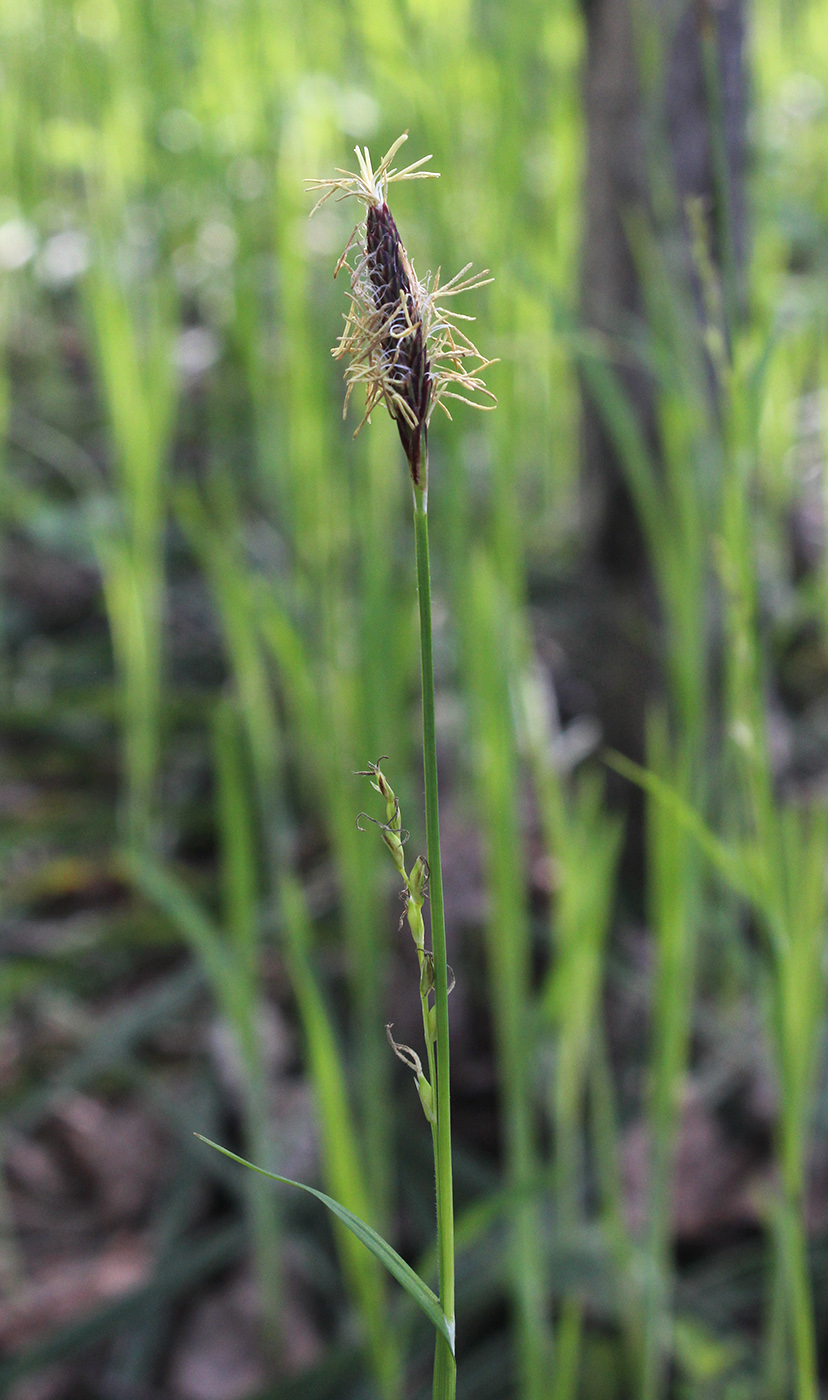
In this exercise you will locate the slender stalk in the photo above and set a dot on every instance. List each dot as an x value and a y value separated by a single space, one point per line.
444 1365
568 1176
795 1264
607 1152
263 1206
714 101
775 1332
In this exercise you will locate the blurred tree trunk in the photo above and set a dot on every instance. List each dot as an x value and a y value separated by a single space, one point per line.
616 182
617 118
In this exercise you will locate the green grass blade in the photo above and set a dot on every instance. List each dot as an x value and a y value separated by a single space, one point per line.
239 874
341 1154
490 635
725 861
380 1248
171 896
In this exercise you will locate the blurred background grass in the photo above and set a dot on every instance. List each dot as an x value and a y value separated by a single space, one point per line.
208 626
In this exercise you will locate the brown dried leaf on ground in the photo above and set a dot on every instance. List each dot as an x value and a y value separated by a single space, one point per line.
93 1166
218 1353
121 1151
50 1383
64 1290
718 1182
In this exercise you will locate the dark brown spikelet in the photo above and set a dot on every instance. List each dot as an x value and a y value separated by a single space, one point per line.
403 343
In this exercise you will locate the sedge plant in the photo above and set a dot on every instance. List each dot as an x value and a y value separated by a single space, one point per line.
409 352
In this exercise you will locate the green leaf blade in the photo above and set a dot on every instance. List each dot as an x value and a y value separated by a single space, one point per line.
380 1248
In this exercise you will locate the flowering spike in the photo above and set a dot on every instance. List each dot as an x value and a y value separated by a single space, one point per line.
403 345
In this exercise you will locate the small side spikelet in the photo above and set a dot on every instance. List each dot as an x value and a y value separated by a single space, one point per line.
402 344
413 895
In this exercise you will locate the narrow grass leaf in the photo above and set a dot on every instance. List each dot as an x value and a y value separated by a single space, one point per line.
380 1248
340 1147
174 899
726 861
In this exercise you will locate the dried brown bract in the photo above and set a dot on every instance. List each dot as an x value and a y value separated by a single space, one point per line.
402 343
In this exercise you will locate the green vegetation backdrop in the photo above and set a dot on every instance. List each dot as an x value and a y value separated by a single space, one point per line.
209 626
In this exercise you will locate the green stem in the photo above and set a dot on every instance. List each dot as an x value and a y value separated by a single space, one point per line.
567 1151
444 1366
721 173
607 1153
776 1371
262 1204
568 1349
795 1255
